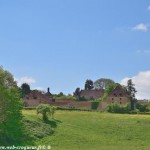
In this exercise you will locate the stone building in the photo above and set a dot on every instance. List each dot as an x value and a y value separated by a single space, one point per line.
36 97
91 94
118 95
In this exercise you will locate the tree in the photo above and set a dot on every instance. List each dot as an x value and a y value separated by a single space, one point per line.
61 94
102 83
131 91
45 110
25 89
110 88
89 84
10 110
7 79
77 92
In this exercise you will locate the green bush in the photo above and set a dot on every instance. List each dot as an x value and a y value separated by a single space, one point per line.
46 110
142 107
70 97
11 128
37 130
116 108
95 105
81 98
136 111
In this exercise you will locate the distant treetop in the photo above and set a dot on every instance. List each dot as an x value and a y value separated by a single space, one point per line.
102 83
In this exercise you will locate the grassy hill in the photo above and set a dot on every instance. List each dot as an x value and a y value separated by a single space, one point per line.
81 130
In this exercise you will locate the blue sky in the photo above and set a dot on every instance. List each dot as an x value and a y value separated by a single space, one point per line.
61 43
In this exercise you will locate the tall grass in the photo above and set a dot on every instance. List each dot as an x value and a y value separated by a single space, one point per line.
81 130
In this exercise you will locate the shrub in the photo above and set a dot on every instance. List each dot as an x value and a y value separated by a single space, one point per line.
60 96
142 107
45 110
10 124
81 98
135 111
116 108
37 130
95 105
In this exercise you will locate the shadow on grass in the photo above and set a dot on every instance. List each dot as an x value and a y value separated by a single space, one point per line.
53 122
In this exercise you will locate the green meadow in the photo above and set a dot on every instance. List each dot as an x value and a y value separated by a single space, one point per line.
83 130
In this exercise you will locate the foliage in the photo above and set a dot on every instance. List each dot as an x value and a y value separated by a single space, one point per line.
116 108
6 78
135 111
45 110
30 108
10 110
142 107
81 98
70 97
103 83
89 84
110 88
37 130
131 91
95 105
25 89
61 94
77 92
99 99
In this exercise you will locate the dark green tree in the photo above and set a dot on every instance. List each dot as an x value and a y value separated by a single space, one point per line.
77 92
89 84
25 89
131 91
61 94
10 110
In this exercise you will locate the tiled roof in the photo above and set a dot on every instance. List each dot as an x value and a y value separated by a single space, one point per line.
88 94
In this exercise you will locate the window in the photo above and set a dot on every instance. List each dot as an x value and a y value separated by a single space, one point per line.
34 97
115 94
120 94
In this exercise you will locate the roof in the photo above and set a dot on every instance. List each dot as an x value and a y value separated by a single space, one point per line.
118 91
35 94
89 94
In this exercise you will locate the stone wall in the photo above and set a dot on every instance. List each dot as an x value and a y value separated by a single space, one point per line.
119 100
70 104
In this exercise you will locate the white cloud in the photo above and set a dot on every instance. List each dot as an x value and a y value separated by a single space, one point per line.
141 27
38 88
142 84
28 80
148 7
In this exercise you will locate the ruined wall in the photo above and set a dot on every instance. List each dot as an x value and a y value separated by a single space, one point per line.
70 104
92 94
119 100
103 106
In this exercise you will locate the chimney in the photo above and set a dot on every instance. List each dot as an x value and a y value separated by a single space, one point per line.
48 90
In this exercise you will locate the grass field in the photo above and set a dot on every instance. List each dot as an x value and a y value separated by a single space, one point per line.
81 130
